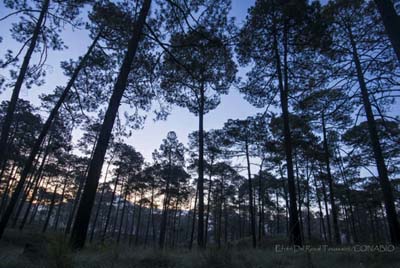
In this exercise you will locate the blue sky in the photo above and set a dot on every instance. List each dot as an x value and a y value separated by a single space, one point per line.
149 138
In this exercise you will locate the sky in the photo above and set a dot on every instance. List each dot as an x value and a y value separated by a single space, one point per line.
149 138
145 140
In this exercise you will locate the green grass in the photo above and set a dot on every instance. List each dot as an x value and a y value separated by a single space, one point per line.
52 251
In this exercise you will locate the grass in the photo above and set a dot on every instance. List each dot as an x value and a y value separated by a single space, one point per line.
52 251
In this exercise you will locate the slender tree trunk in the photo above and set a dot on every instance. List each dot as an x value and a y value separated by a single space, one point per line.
251 204
80 188
387 191
391 20
300 201
226 222
164 219
28 209
172 239
286 199
53 200
110 209
150 215
133 222
39 141
114 226
328 222
308 201
17 88
208 204
98 207
295 233
330 183
220 201
177 236
74 205
39 202
60 205
37 180
122 215
79 231
200 182
8 187
261 206
138 223
277 213
348 196
372 230
25 193
193 221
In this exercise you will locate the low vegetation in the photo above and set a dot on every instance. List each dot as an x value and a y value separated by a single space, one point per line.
30 250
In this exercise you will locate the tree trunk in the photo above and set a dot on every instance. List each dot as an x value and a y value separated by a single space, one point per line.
114 226
138 223
60 205
150 215
388 198
28 209
277 213
193 221
110 209
79 230
122 215
300 199
295 233
208 205
328 222
42 135
98 207
330 183
17 88
39 202
220 201
164 219
200 182
261 206
132 222
8 187
391 21
74 206
37 180
321 215
251 204
53 199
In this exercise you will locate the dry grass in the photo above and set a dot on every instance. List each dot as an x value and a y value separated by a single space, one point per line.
52 251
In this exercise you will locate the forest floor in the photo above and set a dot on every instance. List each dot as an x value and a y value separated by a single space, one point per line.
52 251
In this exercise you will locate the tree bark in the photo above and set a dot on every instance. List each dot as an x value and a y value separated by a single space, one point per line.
79 230
39 141
200 183
138 222
392 23
294 226
208 204
193 221
330 183
17 88
251 200
122 215
387 191
53 199
98 207
328 222
110 209
60 205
